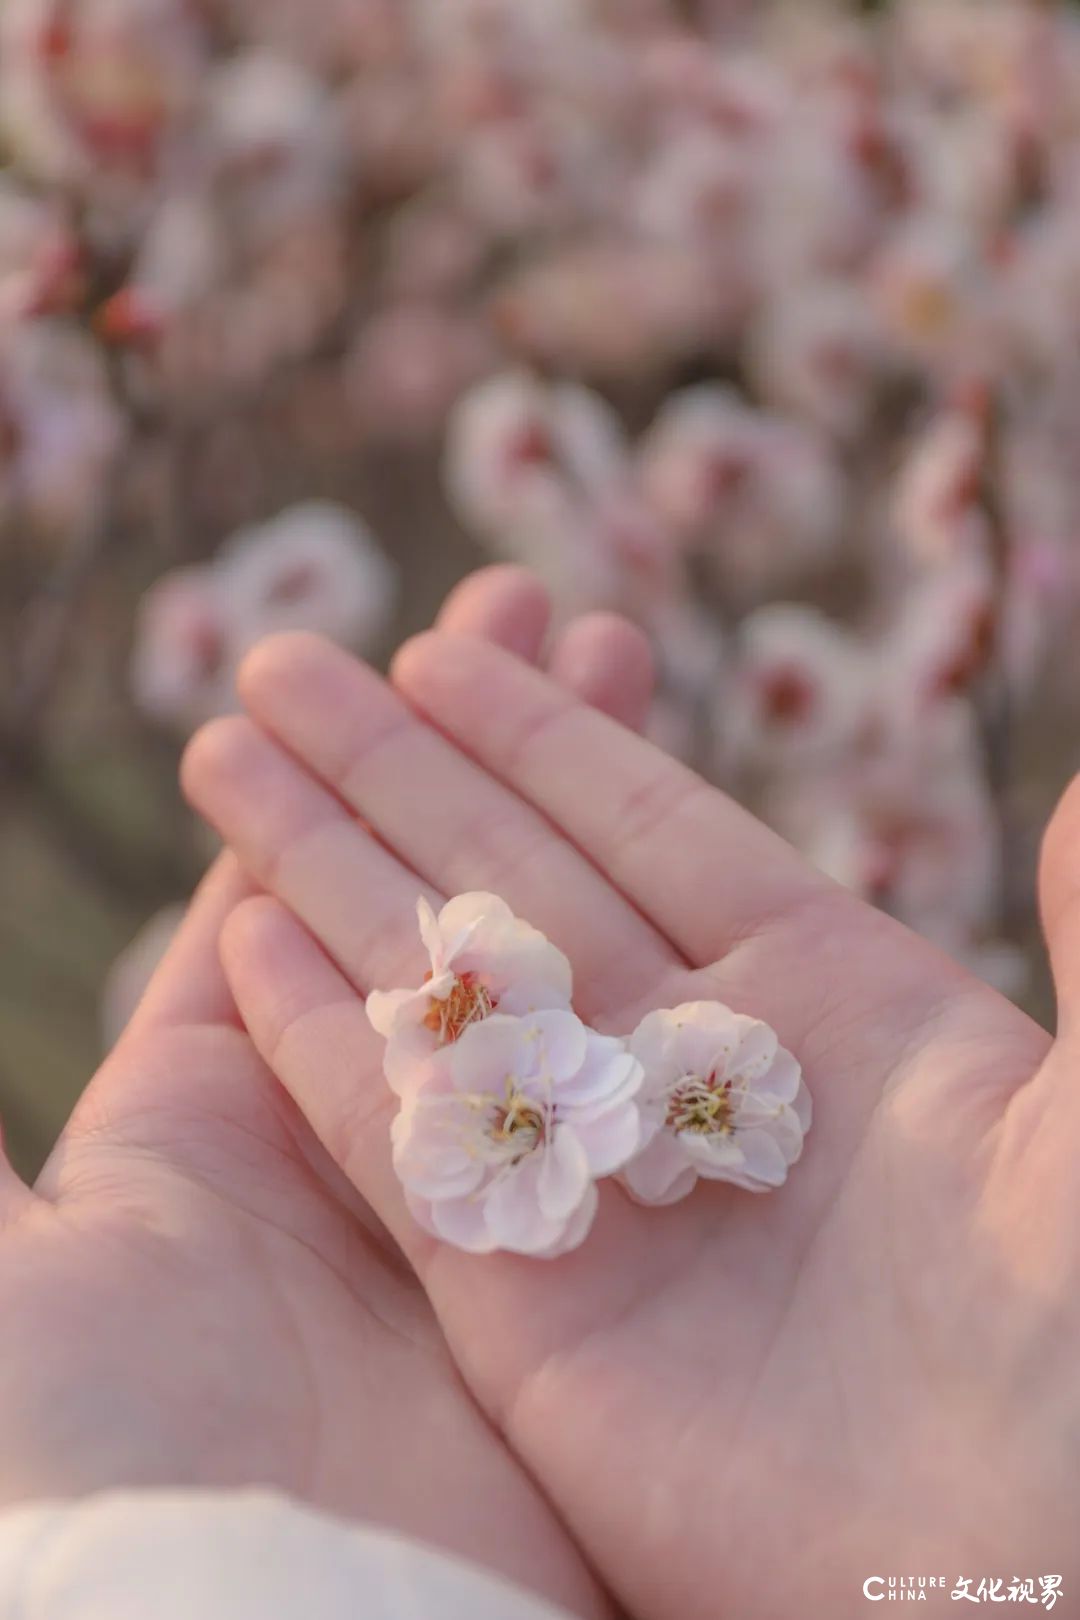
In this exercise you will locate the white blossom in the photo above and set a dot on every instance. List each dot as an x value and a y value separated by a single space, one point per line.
482 961
721 1101
502 1148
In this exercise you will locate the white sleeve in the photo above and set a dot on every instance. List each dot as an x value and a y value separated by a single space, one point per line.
201 1555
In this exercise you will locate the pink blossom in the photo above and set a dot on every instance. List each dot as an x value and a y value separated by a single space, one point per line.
482 960
944 638
521 455
62 431
315 567
409 366
185 652
939 510
501 1149
919 840
611 308
926 284
818 352
763 496
802 690
41 268
97 86
275 139
721 1101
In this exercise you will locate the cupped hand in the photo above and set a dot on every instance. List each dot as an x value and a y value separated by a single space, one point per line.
193 1294
741 1406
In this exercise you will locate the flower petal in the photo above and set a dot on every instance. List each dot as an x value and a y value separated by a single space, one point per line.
564 1175
462 1222
464 921
803 1108
431 1151
562 1043
430 934
465 911
513 1214
653 1044
610 1140
609 1075
531 992
756 1051
764 1164
577 1227
781 1081
708 1036
489 1053
788 1134
661 1174
385 1007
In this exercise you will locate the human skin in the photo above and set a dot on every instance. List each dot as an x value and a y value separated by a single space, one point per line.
743 1406
193 1293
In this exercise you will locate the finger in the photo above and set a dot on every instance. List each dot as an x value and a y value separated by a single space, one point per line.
608 663
602 657
299 842
1059 903
311 1029
189 986
441 814
313 1032
703 870
505 605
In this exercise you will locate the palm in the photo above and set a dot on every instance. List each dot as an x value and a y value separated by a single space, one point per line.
194 1294
740 1405
236 1323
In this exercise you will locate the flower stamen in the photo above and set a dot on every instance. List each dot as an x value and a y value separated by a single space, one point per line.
469 1001
517 1126
700 1106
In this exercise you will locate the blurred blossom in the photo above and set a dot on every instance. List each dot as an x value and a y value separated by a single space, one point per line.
926 282
332 37
432 251
408 366
939 510
97 85
41 270
60 431
275 139
927 852
546 474
760 496
521 175
515 24
943 642
610 309
184 658
818 352
685 301
181 260
314 567
803 689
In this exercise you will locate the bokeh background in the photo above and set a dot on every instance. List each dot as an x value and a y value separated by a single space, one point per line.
757 321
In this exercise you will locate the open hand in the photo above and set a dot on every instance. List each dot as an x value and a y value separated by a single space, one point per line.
194 1294
741 1406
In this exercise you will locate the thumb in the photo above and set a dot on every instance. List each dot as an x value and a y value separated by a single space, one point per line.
1059 904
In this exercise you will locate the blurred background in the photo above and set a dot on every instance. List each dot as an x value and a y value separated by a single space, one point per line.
757 321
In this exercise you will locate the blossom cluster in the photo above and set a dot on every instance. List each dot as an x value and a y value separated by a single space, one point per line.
512 1109
313 567
754 319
